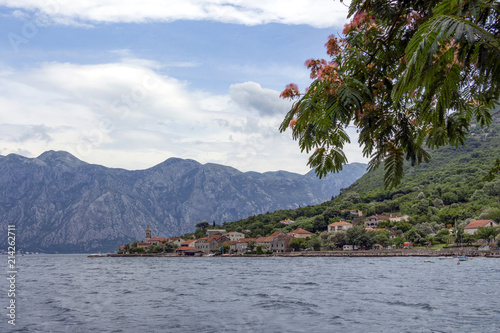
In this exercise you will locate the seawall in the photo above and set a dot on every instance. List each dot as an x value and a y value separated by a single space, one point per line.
451 252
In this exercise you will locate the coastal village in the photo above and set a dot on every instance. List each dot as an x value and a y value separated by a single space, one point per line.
222 242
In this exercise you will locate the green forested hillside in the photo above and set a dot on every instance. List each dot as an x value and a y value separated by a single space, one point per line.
450 190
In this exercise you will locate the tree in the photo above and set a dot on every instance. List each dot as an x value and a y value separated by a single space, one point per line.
408 75
382 238
441 236
170 247
203 225
487 233
314 243
492 188
358 235
467 239
398 240
251 245
438 203
319 223
415 235
136 249
338 238
491 214
297 244
221 250
199 233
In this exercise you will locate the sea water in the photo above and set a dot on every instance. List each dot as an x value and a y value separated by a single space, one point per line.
74 293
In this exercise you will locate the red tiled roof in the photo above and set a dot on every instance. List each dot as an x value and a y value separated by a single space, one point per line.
185 248
230 242
244 240
301 231
263 239
382 217
157 239
216 237
341 223
201 239
476 224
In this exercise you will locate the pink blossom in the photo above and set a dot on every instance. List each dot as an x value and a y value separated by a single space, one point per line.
291 91
332 46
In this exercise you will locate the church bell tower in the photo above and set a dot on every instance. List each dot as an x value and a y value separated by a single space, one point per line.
148 233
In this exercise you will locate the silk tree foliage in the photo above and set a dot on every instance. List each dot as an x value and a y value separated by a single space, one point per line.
408 75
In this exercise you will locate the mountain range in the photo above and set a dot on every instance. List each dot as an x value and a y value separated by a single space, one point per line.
62 204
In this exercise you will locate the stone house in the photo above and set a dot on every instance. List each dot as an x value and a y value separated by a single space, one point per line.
300 233
472 227
398 217
215 242
356 212
176 240
234 235
242 244
158 241
374 220
277 242
189 243
339 226
201 245
264 242
280 243
232 245
213 232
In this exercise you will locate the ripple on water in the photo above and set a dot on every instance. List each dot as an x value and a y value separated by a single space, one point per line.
256 295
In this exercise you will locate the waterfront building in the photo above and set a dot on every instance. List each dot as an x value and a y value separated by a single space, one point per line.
472 227
242 244
201 245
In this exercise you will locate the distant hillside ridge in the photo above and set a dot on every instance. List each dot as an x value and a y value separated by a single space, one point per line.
62 204
449 191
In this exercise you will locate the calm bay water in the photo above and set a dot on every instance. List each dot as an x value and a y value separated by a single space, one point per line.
73 293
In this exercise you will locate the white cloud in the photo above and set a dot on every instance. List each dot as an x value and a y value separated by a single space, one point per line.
317 13
267 103
126 115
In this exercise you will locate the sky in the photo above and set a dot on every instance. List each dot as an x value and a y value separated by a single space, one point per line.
129 84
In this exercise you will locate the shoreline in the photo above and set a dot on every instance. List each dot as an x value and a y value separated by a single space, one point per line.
359 253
